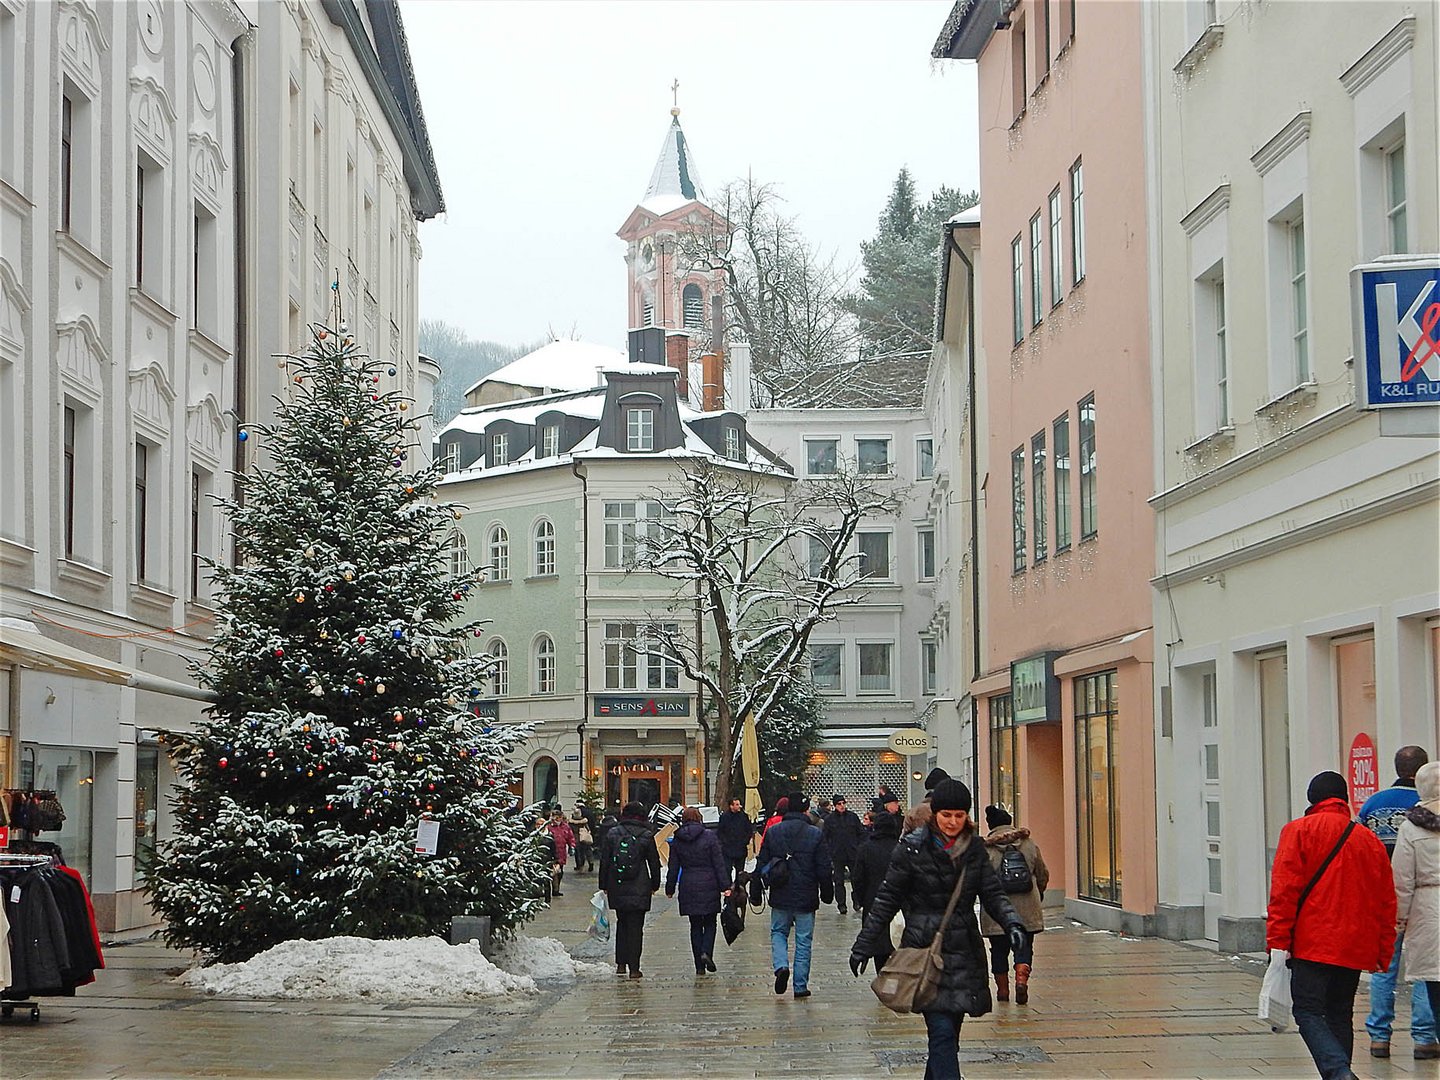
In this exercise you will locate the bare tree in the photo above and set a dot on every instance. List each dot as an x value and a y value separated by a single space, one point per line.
759 567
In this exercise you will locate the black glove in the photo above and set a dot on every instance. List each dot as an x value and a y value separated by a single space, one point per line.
857 963
1018 937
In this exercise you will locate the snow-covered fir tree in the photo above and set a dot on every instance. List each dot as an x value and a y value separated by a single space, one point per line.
343 687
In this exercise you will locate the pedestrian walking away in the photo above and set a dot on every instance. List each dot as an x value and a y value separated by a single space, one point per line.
924 871
629 877
1416 874
843 833
551 856
1332 908
1383 814
584 839
698 866
871 861
735 833
796 861
781 806
564 842
1023 874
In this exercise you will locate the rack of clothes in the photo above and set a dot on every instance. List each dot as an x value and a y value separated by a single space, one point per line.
47 925
29 810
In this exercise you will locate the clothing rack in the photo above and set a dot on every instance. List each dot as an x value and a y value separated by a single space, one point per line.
77 912
7 1008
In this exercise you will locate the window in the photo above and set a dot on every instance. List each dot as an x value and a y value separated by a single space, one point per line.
550 440
619 652
205 272
929 666
1037 296
826 663
1019 84
1097 717
1055 275
1037 494
822 457
499 554
1396 229
147 805
873 456
819 550
1017 288
142 509
1299 319
457 550
924 458
693 303
1004 754
1077 223
639 429
925 550
499 668
197 527
1219 354
140 225
662 671
629 527
874 550
67 162
71 425
544 549
732 443
499 448
544 665
1017 510
1061 430
1088 495
452 457
875 667
1042 57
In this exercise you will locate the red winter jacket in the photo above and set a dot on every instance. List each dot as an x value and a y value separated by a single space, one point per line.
1349 917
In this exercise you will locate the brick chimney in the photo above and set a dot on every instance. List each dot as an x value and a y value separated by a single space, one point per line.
712 386
677 356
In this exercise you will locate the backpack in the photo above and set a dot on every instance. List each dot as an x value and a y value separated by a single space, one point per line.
626 865
776 874
1015 871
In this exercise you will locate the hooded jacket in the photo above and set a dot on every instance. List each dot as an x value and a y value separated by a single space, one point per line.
1349 918
1416 873
633 894
1028 905
698 864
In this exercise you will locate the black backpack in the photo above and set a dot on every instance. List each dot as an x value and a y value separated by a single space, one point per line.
776 874
1015 871
626 864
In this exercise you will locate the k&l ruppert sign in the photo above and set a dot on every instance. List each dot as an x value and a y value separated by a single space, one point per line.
1396 325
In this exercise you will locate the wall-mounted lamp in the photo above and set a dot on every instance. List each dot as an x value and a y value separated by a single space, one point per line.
916 776
50 698
1214 579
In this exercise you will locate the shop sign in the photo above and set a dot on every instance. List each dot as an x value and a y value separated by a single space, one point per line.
1034 689
486 708
1362 775
642 705
427 836
910 741
1396 321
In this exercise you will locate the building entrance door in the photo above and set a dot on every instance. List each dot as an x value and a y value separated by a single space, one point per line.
1210 788
647 788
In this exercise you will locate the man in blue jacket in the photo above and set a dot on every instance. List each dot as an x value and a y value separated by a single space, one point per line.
1382 814
793 903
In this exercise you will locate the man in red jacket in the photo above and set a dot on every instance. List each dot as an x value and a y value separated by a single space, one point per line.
1344 925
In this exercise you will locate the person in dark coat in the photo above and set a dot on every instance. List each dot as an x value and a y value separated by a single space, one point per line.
872 859
793 905
843 833
923 873
629 892
699 866
735 832
1004 836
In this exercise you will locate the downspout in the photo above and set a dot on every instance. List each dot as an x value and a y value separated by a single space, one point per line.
700 701
238 89
584 618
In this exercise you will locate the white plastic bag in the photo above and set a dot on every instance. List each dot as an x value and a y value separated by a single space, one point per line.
1275 1003
599 921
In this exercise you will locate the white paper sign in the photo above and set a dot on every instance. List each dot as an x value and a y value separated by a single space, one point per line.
427 836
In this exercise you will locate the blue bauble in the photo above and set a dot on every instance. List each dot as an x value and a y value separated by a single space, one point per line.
397 634
243 436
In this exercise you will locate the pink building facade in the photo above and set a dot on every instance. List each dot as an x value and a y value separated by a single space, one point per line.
1065 691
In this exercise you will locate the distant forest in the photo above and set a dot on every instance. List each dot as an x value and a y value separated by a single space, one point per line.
463 362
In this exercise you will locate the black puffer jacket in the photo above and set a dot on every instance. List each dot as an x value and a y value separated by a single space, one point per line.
634 893
919 882
872 860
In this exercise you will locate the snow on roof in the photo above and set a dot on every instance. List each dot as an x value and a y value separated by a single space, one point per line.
561 365
966 217
637 368
527 411
660 205
675 172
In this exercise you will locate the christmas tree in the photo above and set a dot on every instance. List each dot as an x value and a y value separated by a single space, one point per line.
344 689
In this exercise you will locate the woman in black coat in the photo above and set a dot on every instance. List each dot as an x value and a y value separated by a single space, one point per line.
699 866
922 875
629 875
872 859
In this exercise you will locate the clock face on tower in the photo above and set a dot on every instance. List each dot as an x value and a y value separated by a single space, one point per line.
647 255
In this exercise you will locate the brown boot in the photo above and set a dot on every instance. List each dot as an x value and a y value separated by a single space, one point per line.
1022 983
1002 986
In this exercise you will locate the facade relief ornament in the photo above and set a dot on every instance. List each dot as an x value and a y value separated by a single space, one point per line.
82 40
203 83
14 304
204 429
82 357
151 397
207 167
150 26
152 116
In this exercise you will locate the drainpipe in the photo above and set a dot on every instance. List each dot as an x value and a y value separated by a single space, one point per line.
585 615
238 89
704 754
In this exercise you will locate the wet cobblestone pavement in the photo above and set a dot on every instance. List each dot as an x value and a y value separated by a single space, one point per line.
1100 1006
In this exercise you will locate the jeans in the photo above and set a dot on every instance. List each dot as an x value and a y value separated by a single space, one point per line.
1381 1020
1323 1005
1000 953
943 1032
702 935
780 923
629 938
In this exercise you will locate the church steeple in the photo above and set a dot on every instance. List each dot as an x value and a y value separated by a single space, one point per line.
674 181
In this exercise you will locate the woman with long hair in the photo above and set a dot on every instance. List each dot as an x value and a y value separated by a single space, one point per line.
698 866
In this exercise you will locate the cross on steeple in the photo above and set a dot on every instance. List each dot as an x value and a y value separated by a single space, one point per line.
675 98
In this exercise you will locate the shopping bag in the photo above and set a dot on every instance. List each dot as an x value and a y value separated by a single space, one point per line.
599 921
732 914
1275 992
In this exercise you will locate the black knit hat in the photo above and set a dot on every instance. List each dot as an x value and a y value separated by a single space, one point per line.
1327 785
935 776
995 816
799 803
950 794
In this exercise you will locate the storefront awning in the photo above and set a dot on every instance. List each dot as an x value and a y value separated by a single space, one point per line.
22 643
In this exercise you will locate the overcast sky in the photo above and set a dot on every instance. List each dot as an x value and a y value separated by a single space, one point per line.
547 117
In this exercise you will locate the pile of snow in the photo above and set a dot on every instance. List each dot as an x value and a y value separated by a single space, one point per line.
410 969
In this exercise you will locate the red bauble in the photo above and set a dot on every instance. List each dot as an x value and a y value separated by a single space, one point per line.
279 652
224 762
361 639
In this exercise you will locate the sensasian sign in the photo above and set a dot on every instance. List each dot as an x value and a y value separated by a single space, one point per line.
1396 323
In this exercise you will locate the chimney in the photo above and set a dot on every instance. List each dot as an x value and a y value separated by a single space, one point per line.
712 387
647 345
677 355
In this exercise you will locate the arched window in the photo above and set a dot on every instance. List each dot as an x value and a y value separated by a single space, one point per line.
544 548
459 554
544 665
545 775
500 669
694 306
499 554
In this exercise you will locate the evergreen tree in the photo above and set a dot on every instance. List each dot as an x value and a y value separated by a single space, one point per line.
342 688
792 728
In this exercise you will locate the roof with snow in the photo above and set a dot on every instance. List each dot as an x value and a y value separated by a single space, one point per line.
675 180
557 367
966 217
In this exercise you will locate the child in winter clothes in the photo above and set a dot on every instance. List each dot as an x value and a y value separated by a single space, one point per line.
1005 835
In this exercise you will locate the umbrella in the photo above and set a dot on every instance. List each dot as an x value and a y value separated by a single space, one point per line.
750 765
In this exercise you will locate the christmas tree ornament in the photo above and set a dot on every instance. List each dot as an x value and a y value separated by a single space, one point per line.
310 552
325 634
279 652
379 687
360 638
404 406
243 436
329 588
348 575
224 762
392 372
300 598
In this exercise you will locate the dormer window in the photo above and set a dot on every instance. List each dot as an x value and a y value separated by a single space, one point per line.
550 440
499 448
452 457
732 443
639 428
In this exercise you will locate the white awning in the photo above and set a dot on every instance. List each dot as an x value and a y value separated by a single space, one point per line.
22 643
